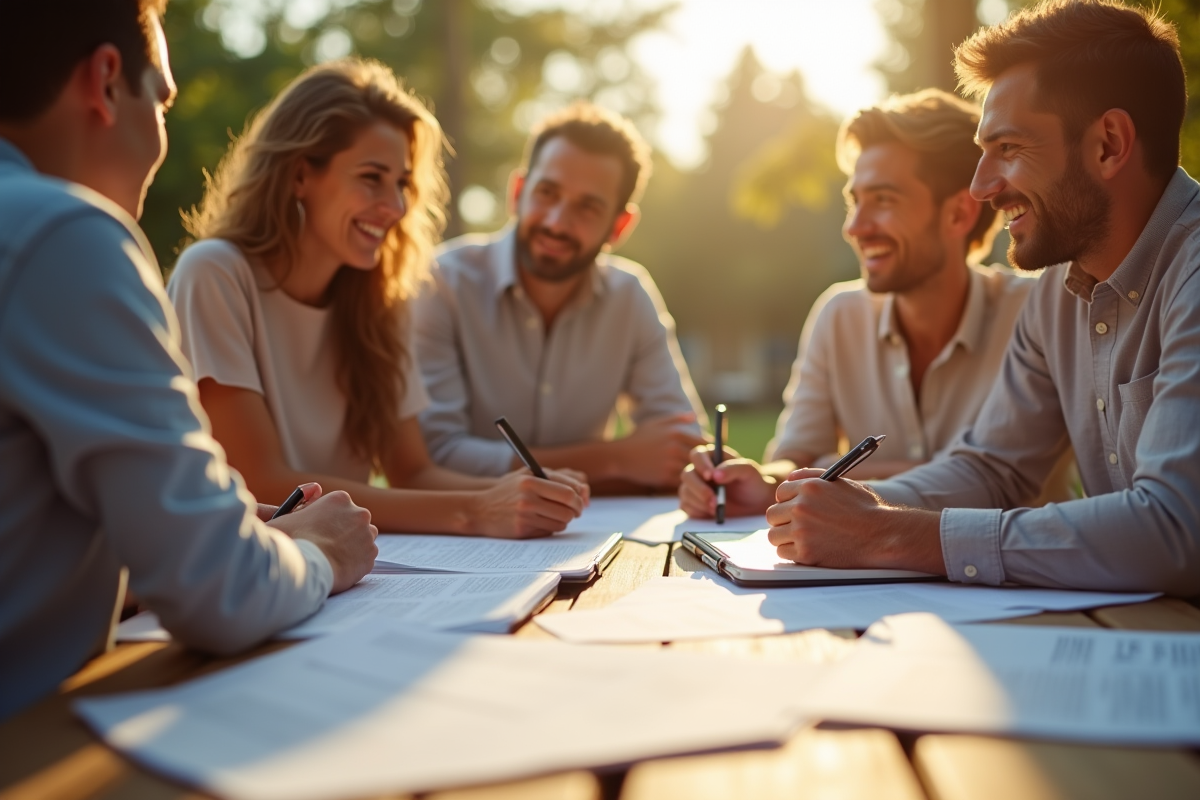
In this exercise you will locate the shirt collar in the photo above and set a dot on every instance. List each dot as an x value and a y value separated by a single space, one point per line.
970 326
12 156
503 257
1131 277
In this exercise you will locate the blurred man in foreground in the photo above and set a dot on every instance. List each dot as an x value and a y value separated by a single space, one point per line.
912 348
1080 132
110 473
540 323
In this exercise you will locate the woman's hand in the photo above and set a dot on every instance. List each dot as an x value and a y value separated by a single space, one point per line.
521 506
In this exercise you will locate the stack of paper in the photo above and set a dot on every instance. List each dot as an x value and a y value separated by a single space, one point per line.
384 708
480 603
672 609
574 556
918 672
651 520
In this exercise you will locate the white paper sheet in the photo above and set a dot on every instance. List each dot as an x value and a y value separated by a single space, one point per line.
672 609
572 555
480 603
384 708
651 520
1080 684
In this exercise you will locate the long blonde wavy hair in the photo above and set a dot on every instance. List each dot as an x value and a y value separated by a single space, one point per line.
251 202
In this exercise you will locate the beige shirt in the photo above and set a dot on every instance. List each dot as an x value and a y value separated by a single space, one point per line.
240 332
485 352
851 376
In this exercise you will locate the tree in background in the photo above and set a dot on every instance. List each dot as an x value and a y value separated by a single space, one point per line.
740 291
924 34
487 72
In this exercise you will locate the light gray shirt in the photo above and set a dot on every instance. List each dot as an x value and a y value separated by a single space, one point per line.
106 460
484 352
1112 368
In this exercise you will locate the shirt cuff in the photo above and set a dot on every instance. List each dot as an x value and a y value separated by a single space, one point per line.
321 577
971 545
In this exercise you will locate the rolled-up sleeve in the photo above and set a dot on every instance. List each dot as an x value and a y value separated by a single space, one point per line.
445 422
659 383
92 360
809 424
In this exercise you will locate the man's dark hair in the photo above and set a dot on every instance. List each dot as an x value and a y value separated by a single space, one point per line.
1090 56
41 43
602 132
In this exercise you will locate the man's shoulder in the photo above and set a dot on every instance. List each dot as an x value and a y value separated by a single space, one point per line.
624 274
1004 285
848 298
465 254
33 206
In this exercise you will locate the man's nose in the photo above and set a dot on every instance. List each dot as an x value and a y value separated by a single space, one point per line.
987 182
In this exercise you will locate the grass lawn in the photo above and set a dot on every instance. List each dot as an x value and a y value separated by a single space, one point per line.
750 428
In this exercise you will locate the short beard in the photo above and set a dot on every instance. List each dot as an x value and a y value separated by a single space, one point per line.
1071 225
550 271
917 267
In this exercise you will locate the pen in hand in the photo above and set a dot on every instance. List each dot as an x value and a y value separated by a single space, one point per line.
290 504
719 456
519 447
857 455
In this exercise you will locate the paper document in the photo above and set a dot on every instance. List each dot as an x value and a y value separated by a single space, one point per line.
479 603
575 556
672 609
384 708
917 672
651 520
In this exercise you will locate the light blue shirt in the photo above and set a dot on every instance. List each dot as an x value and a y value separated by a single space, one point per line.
1113 369
106 460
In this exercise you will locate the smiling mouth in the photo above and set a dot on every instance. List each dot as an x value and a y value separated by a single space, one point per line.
374 231
1014 213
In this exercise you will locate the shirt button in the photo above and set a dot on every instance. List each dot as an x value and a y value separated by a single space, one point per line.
545 388
970 571
1133 295
1101 328
902 371
916 451
1099 403
531 323
1112 458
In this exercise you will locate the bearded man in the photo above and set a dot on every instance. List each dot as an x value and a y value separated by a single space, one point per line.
1080 132
913 347
540 323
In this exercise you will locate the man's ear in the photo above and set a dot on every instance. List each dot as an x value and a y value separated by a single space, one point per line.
1112 139
623 225
516 184
960 212
101 82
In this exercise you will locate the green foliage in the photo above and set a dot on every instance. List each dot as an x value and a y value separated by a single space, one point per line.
799 167
486 72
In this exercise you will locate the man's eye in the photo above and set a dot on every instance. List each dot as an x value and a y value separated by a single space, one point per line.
371 177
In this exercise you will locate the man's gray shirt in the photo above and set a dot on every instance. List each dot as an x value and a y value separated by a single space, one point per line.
484 352
1112 368
106 460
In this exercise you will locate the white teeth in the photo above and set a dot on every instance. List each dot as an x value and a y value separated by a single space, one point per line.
873 252
370 230
1013 213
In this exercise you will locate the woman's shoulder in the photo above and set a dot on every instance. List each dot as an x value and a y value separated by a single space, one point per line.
211 260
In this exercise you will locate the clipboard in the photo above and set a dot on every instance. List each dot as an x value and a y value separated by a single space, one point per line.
748 559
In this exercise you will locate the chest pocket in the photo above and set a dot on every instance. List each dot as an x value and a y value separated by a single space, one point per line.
1136 397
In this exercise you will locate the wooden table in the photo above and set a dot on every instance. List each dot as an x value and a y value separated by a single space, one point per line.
46 754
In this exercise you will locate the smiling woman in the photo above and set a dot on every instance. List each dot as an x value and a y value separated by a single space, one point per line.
314 235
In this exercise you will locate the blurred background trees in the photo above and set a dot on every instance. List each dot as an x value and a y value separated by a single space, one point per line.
740 245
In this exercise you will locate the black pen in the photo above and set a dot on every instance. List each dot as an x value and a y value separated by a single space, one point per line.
522 451
293 500
859 454
719 456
